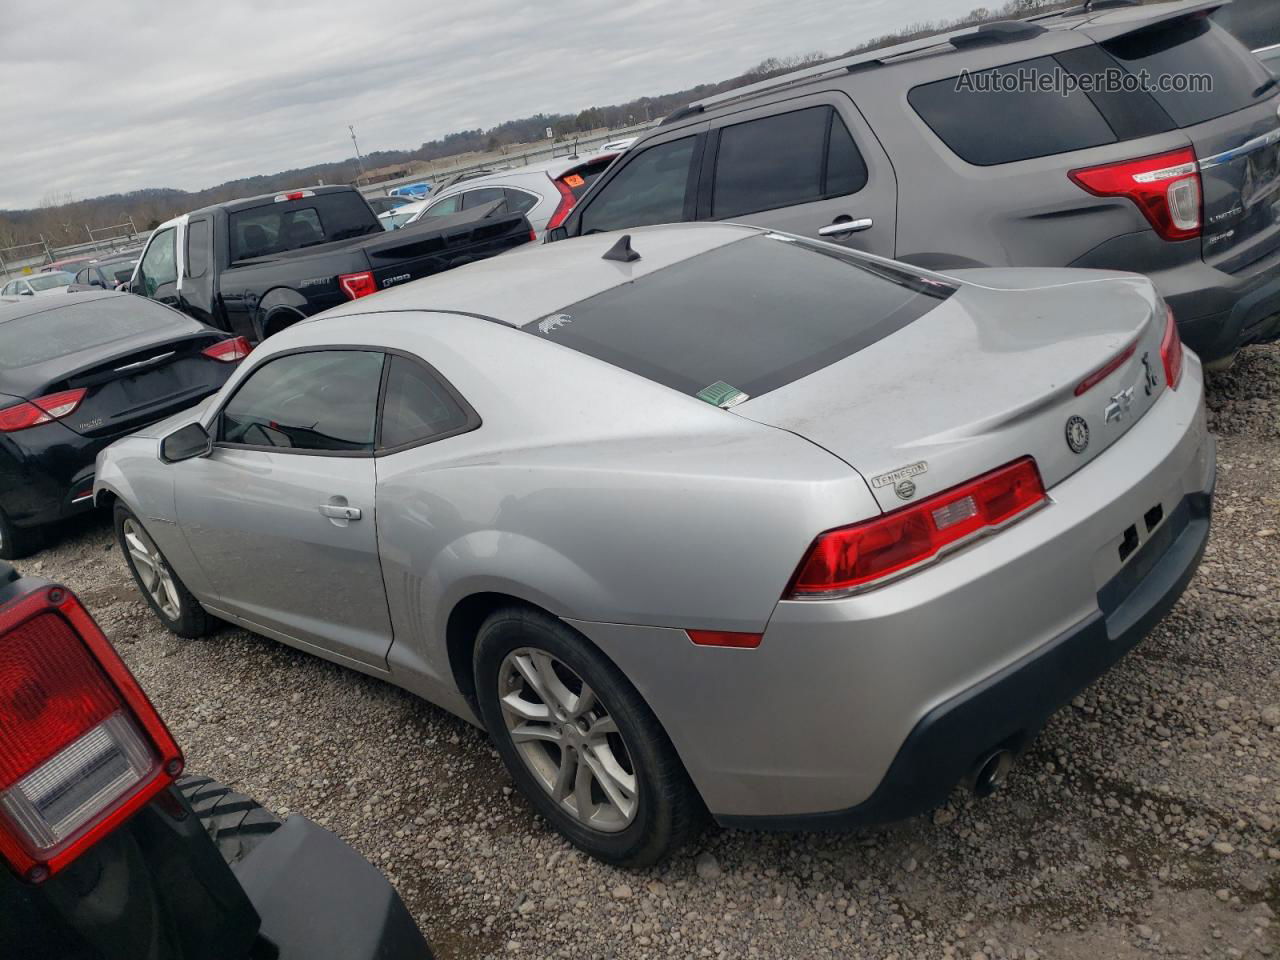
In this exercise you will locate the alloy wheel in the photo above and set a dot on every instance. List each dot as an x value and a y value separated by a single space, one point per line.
568 739
153 573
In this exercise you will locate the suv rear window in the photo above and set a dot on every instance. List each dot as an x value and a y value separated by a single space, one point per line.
48 334
1193 45
579 179
293 224
796 307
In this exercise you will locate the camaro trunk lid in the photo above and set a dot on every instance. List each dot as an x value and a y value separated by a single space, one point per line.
988 376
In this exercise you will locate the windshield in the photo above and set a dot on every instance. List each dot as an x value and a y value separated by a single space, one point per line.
49 281
796 307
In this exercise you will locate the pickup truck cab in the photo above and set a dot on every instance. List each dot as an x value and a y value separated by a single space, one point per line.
253 267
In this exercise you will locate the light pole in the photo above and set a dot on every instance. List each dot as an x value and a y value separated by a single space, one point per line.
354 143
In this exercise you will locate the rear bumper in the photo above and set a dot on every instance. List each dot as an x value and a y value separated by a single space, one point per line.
1217 312
320 900
46 474
1008 709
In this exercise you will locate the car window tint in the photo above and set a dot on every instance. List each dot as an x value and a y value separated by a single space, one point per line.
649 189
478 198
323 400
417 406
986 124
197 248
1190 45
160 263
445 207
293 224
520 202
50 281
749 316
83 325
771 162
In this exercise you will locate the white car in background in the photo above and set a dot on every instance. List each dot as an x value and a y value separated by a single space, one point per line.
38 285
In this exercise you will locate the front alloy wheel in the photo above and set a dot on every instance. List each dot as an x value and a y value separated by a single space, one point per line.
568 739
164 592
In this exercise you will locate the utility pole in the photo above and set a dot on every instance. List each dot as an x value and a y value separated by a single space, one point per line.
359 159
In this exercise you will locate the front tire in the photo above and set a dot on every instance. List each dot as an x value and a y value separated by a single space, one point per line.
579 741
164 592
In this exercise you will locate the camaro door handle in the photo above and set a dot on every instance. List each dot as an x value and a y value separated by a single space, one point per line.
335 512
841 227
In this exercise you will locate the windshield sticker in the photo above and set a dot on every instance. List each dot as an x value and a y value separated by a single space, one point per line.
902 473
721 394
554 322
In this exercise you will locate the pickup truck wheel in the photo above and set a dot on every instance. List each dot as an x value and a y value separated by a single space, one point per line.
234 822
166 595
278 321
17 542
579 740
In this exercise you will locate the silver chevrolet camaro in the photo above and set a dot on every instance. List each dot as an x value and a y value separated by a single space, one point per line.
704 517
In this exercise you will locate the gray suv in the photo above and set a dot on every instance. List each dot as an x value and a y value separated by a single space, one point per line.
983 148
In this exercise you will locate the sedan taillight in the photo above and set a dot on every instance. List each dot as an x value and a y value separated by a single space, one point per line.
852 558
1166 189
229 351
83 749
46 409
1171 350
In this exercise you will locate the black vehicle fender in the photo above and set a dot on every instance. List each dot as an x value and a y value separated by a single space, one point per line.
278 309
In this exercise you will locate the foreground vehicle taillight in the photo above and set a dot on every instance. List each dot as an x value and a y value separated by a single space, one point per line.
1166 189
357 285
852 558
81 747
46 409
1171 350
567 201
229 351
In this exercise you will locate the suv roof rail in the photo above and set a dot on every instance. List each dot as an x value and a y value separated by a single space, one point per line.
1001 31
681 112
1092 5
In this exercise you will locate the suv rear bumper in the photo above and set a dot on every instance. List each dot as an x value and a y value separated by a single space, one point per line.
321 900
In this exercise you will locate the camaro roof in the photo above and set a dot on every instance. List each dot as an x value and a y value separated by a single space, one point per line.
17 307
536 280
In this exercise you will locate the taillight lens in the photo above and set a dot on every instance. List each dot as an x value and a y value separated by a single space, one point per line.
229 351
567 200
1166 189
1171 350
357 285
82 748
1106 370
46 409
851 558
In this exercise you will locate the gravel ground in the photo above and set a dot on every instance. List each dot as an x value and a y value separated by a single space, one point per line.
1143 821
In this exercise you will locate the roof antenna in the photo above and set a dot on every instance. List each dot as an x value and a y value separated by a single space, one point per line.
621 251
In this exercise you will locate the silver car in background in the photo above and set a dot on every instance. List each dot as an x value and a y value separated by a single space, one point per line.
38 284
706 516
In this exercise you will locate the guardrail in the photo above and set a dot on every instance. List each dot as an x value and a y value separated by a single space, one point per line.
27 257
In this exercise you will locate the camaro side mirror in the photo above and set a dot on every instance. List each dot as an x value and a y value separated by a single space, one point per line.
185 444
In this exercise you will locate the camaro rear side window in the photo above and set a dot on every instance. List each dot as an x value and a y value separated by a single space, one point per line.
795 308
785 159
322 400
417 406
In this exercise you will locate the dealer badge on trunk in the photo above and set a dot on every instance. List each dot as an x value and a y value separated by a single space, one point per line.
1077 434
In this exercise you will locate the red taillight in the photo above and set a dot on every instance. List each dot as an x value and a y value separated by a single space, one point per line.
843 560
1106 370
357 285
293 195
725 638
1166 189
567 200
229 351
1171 350
46 409
82 747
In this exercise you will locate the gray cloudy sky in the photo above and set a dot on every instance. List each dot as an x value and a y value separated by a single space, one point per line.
153 93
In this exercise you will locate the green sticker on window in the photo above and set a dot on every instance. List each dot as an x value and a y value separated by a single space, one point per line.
721 394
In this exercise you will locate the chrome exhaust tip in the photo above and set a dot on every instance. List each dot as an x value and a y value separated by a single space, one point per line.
991 772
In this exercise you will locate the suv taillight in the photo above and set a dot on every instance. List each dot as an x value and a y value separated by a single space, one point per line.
1166 189
46 409
82 748
1171 350
567 200
357 285
229 351
852 558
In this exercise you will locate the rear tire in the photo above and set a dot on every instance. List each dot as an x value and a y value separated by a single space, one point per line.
235 823
639 803
166 594
18 542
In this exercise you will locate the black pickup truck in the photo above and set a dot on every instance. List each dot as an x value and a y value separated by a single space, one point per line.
253 267
109 852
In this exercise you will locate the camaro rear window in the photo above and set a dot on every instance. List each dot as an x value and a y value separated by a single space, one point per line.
746 318
48 334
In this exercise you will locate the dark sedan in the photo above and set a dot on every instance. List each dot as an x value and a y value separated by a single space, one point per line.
75 374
